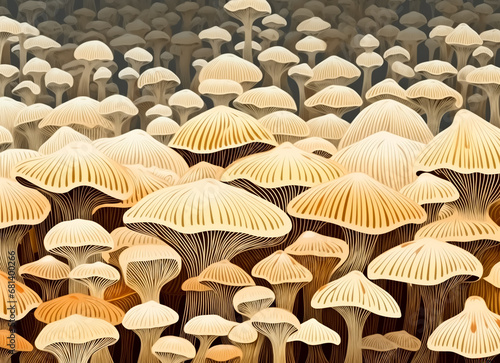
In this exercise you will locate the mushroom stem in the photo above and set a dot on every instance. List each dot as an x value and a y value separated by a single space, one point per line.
102 356
413 300
355 319
9 241
494 101
185 64
59 96
361 247
84 85
247 48
23 56
148 337
205 343
279 353
434 120
367 84
315 354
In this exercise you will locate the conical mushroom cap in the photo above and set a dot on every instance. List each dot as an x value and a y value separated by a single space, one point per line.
59 139
313 244
225 273
474 333
148 316
427 189
355 290
47 267
312 332
202 170
425 262
378 343
78 233
280 268
404 340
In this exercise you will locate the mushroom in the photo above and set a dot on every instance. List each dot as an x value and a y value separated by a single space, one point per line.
436 69
91 53
10 158
27 121
247 12
148 320
368 62
421 262
185 103
354 297
8 28
157 41
246 338
463 39
200 171
285 126
137 58
336 100
58 82
62 137
220 91
276 61
8 74
301 74
317 146
185 43
215 36
49 273
101 78
6 349
40 46
207 328
333 71
159 82
28 91
377 348
435 99
76 338
410 38
248 301
277 325
119 110
172 349
214 124
97 277
487 78
406 343
162 129
224 353
395 54
482 55
6 139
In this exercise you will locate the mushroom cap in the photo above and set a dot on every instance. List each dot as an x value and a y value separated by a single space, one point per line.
26 85
155 75
93 50
47 268
388 89
10 158
202 170
334 97
378 343
57 76
333 70
77 111
85 305
159 110
463 35
397 51
386 157
192 284
251 294
312 332
20 205
436 67
162 126
209 325
243 333
124 237
7 71
411 34
186 99
75 329
278 54
216 129
402 69
369 42
272 319
390 116
310 44
215 33
128 74
9 26
484 76
373 207
244 8
280 268
301 70
21 344
149 315
117 104
225 273
79 164
283 166
188 208
102 73
317 145
230 66
96 269
61 138
424 262
77 233
313 25
220 87
148 252
433 90
466 333
494 276
271 97
404 340
6 138
170 344
428 189
469 145
223 353
285 123
369 60
40 42
311 243
138 147
355 290
459 229
36 65
32 113
26 299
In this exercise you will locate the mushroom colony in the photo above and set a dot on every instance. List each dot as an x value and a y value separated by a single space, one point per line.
249 181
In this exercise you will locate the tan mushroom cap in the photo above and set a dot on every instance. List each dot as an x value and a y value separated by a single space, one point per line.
40 42
402 70
469 145
36 65
258 218
273 318
388 89
75 329
390 116
333 98
428 189
173 346
397 51
463 35
159 111
6 139
369 60
329 126
278 55
433 90
310 44
223 353
138 54
124 237
474 333
282 166
230 66
93 50
83 166
424 262
10 158
313 25
280 268
436 68
162 126
149 252
484 76
369 43
26 299
20 205
404 340
117 104
302 70
209 325
192 284
10 109
386 157
158 74
9 26
186 99
218 87
312 332
285 123
21 344
355 290
318 146
460 229
378 343
313 244
60 139
32 113
26 85
77 111
202 170
327 202
333 71
225 273
494 276
220 128
97 270
149 315
88 306
215 33
47 268
243 333
249 300
269 99
138 147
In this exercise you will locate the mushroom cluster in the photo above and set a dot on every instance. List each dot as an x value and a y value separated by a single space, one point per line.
246 181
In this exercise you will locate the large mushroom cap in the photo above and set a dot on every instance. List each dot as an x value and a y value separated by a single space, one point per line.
280 268
355 290
149 315
26 298
20 344
333 71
